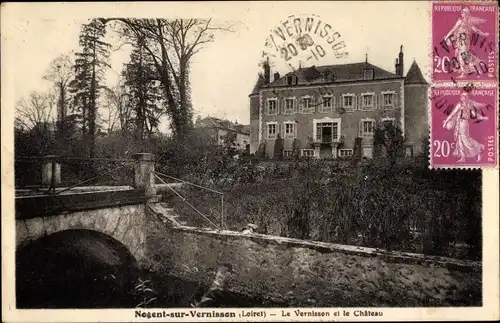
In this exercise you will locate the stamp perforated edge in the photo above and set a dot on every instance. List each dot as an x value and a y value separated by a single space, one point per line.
434 84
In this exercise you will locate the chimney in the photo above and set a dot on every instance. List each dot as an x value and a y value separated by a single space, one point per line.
401 63
397 67
267 71
276 76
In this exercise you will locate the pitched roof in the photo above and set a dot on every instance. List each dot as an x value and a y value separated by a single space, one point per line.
212 122
260 83
341 73
414 75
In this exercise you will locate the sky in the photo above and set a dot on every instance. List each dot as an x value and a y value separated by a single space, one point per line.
225 71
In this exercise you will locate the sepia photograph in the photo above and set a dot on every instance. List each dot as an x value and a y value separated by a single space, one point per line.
216 161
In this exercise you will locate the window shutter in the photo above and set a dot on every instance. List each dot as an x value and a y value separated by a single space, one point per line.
381 101
339 103
395 98
355 102
374 101
301 105
360 130
313 104
295 130
294 105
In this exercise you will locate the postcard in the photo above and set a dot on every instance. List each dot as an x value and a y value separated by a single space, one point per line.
250 161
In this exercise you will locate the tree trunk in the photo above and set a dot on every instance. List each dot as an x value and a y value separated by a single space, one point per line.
92 114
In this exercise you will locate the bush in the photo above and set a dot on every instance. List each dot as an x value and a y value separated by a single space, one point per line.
370 205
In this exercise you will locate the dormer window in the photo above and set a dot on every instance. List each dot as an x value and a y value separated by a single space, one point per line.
328 76
368 74
291 80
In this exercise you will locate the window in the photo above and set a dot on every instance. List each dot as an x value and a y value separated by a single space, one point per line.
289 106
327 131
287 153
272 106
367 126
327 103
289 80
306 105
289 129
307 153
345 152
348 101
367 101
271 130
388 99
368 74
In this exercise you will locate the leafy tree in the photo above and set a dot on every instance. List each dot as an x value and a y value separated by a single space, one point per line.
90 65
389 141
144 94
171 44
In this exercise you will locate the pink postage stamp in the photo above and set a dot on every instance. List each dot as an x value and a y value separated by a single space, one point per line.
464 40
463 127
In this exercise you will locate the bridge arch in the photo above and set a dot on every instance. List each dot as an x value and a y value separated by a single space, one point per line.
74 267
124 223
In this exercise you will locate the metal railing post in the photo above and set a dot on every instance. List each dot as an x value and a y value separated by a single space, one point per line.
222 212
53 177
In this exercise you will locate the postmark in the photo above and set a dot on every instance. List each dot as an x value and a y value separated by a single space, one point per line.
463 127
304 40
464 41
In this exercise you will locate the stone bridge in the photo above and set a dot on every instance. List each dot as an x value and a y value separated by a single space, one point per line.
113 217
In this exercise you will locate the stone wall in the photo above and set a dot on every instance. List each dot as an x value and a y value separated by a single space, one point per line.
303 273
123 223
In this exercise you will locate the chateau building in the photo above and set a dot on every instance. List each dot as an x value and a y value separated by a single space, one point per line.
331 111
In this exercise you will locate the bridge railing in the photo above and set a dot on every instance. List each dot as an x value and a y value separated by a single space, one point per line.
57 174
220 195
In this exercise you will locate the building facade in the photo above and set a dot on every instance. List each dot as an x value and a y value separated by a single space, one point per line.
331 111
224 132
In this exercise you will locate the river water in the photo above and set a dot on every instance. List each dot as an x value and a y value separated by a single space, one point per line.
87 287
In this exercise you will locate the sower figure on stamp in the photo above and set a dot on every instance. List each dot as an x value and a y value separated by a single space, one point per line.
461 33
458 121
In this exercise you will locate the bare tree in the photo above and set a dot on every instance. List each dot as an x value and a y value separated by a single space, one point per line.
119 111
60 72
172 44
35 111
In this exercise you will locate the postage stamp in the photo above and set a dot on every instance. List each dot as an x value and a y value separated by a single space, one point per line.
304 39
463 127
464 41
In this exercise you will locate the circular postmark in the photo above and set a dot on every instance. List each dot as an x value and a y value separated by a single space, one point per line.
303 40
